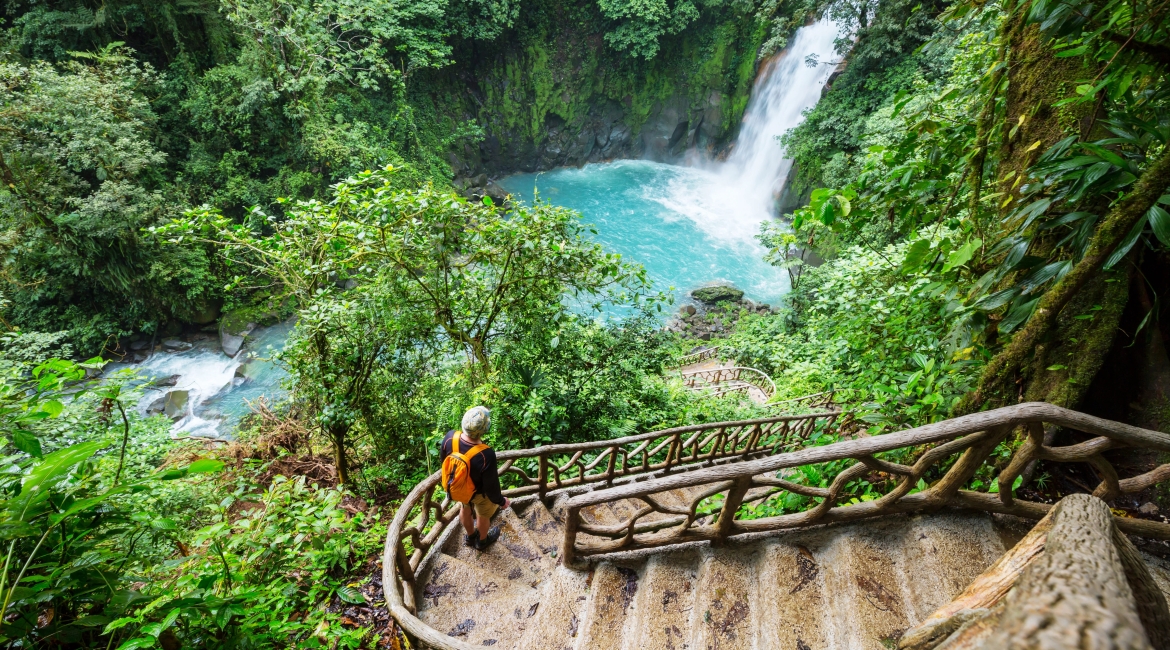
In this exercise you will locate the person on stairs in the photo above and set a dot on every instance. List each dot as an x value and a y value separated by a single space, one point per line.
471 477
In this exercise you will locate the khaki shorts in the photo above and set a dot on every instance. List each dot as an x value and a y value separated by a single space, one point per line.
483 506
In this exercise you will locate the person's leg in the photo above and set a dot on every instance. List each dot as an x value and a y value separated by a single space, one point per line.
484 509
467 518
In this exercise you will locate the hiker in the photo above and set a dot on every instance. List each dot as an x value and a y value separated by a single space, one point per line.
471 477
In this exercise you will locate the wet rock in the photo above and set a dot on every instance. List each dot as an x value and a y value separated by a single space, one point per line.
231 341
157 405
167 381
175 345
175 404
716 294
1149 509
140 345
689 310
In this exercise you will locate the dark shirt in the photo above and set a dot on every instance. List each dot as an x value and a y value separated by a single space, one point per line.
484 471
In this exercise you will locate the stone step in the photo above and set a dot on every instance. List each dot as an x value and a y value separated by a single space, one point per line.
543 527
792 597
514 556
943 554
726 606
663 609
563 603
866 584
474 605
612 590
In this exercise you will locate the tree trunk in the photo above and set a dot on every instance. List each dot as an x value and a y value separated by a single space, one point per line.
337 435
1077 594
997 385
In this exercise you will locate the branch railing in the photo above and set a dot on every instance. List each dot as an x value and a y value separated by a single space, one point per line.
952 450
726 380
696 357
426 513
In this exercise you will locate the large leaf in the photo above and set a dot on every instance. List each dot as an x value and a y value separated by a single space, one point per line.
1160 221
27 442
1126 244
60 462
1017 315
916 255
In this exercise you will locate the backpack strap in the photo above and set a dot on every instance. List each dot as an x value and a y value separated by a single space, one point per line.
470 453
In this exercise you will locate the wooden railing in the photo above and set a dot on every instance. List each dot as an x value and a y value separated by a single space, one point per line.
823 400
947 453
725 380
426 513
696 357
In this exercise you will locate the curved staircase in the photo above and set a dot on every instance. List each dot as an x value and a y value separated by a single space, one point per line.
855 586
657 541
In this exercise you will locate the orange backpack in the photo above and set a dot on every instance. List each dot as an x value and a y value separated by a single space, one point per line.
457 470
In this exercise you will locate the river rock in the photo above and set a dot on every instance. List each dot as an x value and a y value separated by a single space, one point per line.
231 342
689 310
141 344
175 345
167 381
206 311
716 294
175 404
157 405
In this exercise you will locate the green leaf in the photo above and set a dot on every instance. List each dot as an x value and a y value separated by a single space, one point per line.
962 255
916 255
1017 315
1126 244
52 407
205 466
350 595
1056 367
61 461
27 442
138 642
1160 222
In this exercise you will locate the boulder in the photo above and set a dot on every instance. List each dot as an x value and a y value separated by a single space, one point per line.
689 310
1149 509
157 405
716 294
140 344
206 311
167 381
231 337
175 345
175 404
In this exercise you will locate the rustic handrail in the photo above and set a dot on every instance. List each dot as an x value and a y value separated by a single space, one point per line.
713 378
974 436
695 357
425 513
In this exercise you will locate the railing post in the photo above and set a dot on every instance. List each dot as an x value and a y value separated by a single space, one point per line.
610 465
542 477
727 515
569 542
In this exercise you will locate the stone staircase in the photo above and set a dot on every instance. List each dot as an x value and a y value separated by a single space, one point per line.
661 552
854 586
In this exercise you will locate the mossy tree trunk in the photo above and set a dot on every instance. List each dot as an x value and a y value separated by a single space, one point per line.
1055 356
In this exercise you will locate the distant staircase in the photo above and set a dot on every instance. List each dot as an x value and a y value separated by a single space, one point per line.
650 541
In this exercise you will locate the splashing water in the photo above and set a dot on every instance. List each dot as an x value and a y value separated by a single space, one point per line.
696 225
216 397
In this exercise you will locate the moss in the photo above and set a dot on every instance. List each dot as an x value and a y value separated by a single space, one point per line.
1065 363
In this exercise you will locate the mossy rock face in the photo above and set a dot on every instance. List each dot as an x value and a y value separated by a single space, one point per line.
712 295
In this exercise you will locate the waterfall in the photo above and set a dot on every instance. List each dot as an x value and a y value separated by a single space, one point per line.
784 90
729 200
